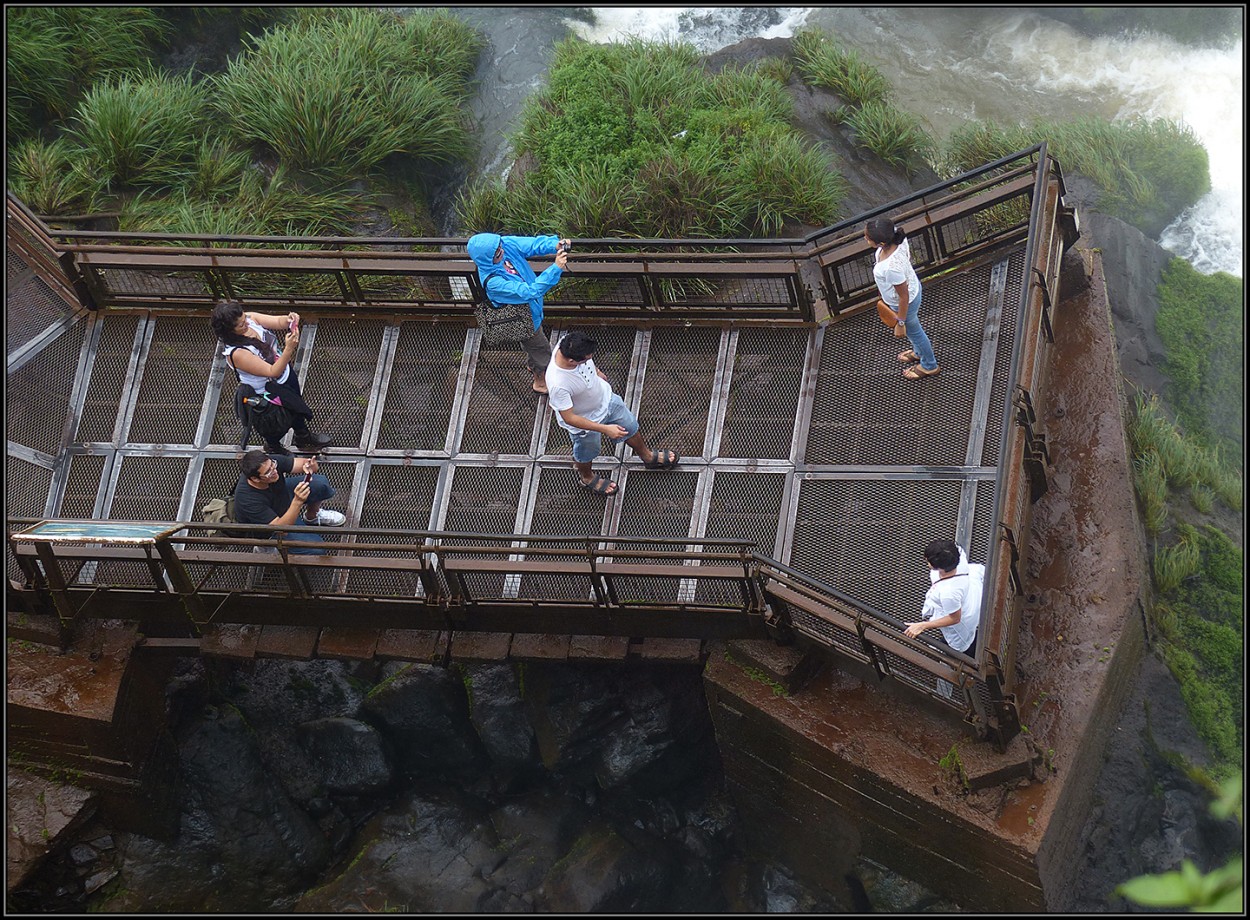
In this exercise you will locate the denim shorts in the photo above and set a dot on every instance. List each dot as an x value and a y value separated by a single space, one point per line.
586 444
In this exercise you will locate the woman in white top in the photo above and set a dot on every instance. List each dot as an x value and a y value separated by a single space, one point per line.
899 287
250 344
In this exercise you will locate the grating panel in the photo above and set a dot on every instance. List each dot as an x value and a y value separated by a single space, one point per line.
677 391
866 538
484 500
37 394
377 288
757 292
339 382
32 307
655 504
82 486
562 508
147 283
422 387
615 351
764 393
113 358
175 377
865 412
744 506
149 488
226 427
500 414
399 496
625 291
26 487
982 523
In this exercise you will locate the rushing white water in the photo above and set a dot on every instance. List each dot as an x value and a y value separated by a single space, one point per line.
954 65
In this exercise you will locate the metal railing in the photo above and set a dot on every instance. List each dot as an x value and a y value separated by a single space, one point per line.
826 275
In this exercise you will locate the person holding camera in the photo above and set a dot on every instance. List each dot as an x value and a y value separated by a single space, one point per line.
250 345
506 276
284 491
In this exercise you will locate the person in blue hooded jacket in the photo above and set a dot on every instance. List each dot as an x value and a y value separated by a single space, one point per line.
506 276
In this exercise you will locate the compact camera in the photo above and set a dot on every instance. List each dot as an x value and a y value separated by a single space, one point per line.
563 247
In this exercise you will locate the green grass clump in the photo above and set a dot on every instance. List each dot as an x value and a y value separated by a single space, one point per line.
1200 321
338 90
823 62
1173 564
51 177
141 129
1147 171
1203 631
1180 459
637 139
1151 481
53 53
892 134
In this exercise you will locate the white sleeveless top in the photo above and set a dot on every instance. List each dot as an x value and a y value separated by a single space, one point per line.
270 338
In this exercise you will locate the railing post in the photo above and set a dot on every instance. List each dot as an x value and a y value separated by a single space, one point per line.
184 587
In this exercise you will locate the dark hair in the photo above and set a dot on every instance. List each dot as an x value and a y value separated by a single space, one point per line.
577 346
883 230
251 462
943 555
226 314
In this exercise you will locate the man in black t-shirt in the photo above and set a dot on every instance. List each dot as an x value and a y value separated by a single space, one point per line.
271 490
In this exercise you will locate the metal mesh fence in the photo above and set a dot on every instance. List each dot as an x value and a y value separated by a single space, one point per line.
114 356
37 394
338 386
175 378
400 497
744 506
763 393
655 504
484 500
26 490
422 387
31 306
501 406
82 486
562 508
1002 360
865 412
866 537
677 391
147 284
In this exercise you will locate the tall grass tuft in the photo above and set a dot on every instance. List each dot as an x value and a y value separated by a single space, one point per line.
53 53
823 62
897 137
638 139
51 177
337 91
1147 171
141 129
1173 564
1152 487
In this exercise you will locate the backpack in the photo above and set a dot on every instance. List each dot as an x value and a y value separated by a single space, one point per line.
221 511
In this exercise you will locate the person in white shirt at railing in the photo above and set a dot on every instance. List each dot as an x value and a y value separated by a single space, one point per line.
899 286
953 602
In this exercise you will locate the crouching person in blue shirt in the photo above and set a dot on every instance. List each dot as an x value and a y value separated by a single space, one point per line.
272 490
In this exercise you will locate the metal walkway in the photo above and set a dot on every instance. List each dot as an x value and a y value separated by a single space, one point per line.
802 438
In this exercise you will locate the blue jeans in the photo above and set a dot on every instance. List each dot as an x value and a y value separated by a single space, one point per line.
586 444
319 490
920 343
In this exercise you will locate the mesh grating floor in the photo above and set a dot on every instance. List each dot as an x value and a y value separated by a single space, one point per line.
807 442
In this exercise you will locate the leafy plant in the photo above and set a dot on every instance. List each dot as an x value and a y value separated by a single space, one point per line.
823 62
892 134
141 129
1173 564
51 177
637 139
337 91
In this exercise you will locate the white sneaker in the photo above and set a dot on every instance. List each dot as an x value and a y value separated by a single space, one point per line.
327 518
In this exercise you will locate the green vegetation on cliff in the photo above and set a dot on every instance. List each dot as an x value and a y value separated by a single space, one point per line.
1201 323
639 139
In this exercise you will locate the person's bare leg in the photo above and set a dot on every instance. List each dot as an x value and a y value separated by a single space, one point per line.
639 444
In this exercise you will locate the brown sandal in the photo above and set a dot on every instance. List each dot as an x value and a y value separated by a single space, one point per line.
915 372
907 357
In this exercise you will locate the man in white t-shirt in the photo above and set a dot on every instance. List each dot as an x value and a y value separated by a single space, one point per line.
953 603
587 409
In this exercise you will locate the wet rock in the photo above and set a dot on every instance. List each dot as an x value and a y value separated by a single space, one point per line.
98 881
535 831
500 718
243 845
430 853
37 813
80 854
605 872
424 711
349 756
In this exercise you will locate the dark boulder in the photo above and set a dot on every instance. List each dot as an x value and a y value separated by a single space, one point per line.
346 755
